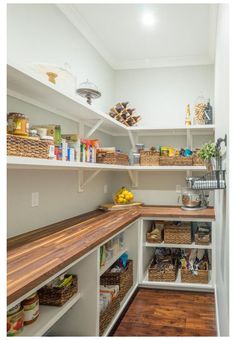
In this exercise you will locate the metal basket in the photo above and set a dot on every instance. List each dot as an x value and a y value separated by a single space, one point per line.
211 181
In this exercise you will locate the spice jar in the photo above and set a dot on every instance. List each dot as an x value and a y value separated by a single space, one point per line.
31 308
17 124
15 320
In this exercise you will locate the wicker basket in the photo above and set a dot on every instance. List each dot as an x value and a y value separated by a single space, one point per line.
26 147
177 234
165 276
150 158
107 315
197 161
188 277
176 160
112 158
203 240
124 279
55 296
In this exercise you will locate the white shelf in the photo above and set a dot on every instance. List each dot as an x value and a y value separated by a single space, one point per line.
14 162
170 245
178 284
48 317
113 260
25 85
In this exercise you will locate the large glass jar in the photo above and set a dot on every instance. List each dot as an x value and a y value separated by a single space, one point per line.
199 110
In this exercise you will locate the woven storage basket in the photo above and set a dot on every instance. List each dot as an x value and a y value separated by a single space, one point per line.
151 158
198 161
55 296
158 236
188 277
177 234
204 240
165 276
112 158
26 147
124 279
180 160
107 315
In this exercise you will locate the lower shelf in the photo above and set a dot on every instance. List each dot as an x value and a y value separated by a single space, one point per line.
178 284
122 307
47 317
172 245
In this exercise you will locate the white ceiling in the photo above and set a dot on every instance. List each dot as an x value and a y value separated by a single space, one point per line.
184 34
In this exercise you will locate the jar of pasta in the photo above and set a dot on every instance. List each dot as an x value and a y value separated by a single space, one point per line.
199 111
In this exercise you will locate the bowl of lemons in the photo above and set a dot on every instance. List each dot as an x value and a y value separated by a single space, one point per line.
123 196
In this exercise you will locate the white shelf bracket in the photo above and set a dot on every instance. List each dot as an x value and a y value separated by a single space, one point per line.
82 183
131 139
134 178
94 128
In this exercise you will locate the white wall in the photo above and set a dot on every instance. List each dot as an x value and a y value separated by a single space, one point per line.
160 95
42 34
222 197
58 194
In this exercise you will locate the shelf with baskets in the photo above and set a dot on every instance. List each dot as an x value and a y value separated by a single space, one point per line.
182 246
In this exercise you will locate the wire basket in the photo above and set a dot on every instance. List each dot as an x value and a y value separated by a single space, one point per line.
211 181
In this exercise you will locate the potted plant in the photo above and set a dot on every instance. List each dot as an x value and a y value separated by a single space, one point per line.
211 156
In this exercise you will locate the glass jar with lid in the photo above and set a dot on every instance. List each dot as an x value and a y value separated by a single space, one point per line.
17 124
199 110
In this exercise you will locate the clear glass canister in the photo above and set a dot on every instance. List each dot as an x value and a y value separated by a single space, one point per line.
199 110
17 124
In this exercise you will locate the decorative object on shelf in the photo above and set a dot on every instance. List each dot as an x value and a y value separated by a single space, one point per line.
89 91
156 234
199 110
211 155
194 266
208 113
123 196
15 320
179 233
31 308
107 157
58 291
124 114
60 76
17 124
164 265
123 278
188 121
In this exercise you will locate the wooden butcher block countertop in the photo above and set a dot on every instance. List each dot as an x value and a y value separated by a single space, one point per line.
35 256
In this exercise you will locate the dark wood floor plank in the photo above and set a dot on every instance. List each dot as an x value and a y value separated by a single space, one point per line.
169 313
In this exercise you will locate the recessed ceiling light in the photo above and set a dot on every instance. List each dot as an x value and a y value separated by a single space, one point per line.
148 19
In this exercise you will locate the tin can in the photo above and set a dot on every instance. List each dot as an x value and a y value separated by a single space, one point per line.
31 308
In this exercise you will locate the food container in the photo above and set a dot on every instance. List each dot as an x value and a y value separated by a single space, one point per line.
42 132
135 158
31 308
34 134
139 147
15 320
199 111
17 124
164 151
51 146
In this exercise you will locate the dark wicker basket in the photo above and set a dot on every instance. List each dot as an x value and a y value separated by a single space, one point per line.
202 240
26 147
55 296
124 279
107 315
177 234
117 158
166 275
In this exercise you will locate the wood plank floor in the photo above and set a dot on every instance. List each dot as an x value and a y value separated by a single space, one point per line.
169 313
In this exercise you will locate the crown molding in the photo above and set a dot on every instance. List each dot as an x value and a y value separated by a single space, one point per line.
72 14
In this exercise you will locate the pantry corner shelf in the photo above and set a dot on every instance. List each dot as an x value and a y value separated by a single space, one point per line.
48 317
178 284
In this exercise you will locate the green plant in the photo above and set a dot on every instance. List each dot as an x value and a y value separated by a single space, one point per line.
208 151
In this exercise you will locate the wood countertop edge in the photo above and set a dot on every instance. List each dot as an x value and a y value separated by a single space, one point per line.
18 241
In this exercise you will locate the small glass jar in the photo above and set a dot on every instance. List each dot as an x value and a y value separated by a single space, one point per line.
17 124
15 320
31 308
